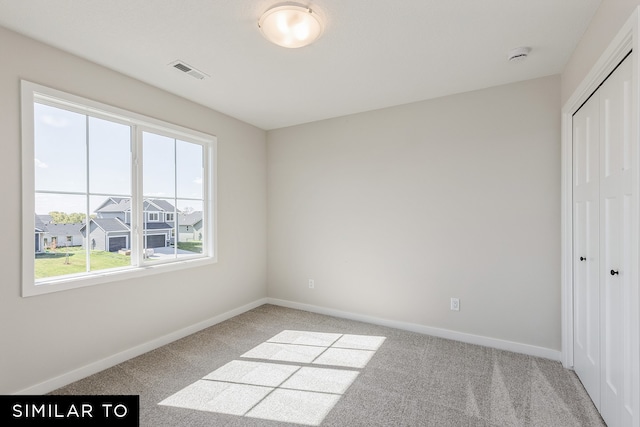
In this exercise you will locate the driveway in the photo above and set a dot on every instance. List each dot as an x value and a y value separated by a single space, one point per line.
166 252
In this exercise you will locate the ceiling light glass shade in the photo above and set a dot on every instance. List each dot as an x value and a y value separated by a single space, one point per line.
291 26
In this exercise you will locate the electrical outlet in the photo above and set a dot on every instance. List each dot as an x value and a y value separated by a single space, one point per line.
312 284
455 304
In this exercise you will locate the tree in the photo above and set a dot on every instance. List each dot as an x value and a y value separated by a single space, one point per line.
65 218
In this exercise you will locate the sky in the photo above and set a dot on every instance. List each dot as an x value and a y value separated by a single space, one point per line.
68 148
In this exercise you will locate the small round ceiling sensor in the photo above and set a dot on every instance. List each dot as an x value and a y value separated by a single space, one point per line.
519 54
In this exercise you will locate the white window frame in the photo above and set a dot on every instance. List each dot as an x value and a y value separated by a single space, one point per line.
156 216
167 215
31 93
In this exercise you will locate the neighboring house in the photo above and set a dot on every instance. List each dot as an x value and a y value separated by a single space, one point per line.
107 234
41 229
64 234
190 226
110 229
155 210
47 232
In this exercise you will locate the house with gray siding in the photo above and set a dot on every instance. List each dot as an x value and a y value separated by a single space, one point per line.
190 226
41 230
64 234
107 234
47 232
110 230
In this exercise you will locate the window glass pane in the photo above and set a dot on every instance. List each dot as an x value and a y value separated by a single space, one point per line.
109 237
46 203
109 157
60 149
191 232
158 242
189 169
59 241
159 162
61 236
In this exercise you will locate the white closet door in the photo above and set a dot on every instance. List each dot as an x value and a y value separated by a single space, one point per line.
586 183
602 197
615 247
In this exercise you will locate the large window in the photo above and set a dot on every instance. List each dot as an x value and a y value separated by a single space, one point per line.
129 194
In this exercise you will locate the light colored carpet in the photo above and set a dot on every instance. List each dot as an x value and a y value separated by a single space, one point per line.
274 363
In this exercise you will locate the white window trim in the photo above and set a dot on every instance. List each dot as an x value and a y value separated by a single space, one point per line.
166 217
155 214
30 92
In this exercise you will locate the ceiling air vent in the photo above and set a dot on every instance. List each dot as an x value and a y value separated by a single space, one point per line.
188 69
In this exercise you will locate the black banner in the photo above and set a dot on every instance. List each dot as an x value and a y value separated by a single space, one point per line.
105 410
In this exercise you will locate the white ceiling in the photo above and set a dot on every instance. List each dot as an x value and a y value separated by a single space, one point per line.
373 53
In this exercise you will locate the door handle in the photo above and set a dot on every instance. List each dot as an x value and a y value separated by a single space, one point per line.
613 272
582 258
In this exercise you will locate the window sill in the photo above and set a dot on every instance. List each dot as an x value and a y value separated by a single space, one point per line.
67 283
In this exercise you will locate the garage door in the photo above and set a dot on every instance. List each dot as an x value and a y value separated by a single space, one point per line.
156 241
117 243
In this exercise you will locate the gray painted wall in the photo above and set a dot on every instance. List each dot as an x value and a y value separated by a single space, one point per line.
393 212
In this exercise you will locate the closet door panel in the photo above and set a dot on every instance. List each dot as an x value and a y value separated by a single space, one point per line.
626 284
615 167
586 131
628 165
611 315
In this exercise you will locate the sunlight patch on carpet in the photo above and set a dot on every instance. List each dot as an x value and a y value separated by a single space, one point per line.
253 373
285 352
290 392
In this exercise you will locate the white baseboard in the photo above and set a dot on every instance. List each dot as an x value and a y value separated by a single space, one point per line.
516 347
100 365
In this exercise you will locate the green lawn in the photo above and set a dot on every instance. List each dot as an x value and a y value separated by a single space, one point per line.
193 246
56 263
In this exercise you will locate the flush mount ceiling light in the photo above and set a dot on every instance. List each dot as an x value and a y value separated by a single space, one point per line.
291 25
